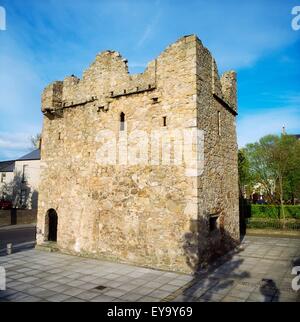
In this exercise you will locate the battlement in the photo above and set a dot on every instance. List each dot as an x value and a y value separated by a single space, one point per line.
108 78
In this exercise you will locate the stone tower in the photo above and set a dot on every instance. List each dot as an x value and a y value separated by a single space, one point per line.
117 181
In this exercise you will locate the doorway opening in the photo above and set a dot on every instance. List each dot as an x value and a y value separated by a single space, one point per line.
51 222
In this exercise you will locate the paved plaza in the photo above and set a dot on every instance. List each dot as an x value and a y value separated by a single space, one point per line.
260 271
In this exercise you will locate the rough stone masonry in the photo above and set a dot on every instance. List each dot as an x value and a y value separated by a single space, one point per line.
145 213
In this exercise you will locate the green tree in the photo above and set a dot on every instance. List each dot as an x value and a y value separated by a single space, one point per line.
292 180
245 180
274 164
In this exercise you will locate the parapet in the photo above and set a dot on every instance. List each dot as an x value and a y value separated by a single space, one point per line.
108 78
229 88
52 97
224 89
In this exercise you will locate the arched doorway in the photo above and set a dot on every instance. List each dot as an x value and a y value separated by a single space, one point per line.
52 225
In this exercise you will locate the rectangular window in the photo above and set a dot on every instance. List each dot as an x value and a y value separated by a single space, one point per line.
219 123
25 172
164 121
122 122
23 198
3 177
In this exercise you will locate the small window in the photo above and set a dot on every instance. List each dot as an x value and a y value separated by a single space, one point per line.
59 136
23 198
164 121
219 123
122 122
3 177
25 170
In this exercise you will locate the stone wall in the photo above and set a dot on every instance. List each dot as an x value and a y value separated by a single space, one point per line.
5 218
26 216
18 217
218 185
147 214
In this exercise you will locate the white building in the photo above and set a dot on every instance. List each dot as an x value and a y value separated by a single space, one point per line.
22 179
27 169
6 175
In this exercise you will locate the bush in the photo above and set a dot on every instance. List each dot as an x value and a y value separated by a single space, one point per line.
277 224
274 211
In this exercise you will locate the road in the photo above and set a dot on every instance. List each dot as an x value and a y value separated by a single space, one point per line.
16 235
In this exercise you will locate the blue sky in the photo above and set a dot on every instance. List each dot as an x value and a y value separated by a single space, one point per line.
46 40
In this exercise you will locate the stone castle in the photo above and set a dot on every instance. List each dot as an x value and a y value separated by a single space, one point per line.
94 201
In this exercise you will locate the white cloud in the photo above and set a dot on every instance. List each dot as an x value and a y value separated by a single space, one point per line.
151 26
20 83
15 144
20 88
55 39
251 128
238 34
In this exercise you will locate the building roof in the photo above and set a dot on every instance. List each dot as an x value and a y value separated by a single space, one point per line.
297 136
34 155
7 166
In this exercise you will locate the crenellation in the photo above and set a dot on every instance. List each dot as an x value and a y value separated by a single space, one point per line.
228 82
52 97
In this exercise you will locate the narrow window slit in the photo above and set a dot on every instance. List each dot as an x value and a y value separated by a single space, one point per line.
164 121
122 122
219 123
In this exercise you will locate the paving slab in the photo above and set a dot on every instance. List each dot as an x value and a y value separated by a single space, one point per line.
260 272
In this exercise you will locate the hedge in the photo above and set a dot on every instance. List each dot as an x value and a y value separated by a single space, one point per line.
274 211
267 223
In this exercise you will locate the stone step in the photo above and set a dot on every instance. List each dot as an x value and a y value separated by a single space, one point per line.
47 247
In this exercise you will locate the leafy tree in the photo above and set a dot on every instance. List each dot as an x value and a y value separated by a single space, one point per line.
274 164
245 180
13 191
261 172
292 180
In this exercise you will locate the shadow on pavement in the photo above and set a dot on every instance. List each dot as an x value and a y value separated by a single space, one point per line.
269 290
205 256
